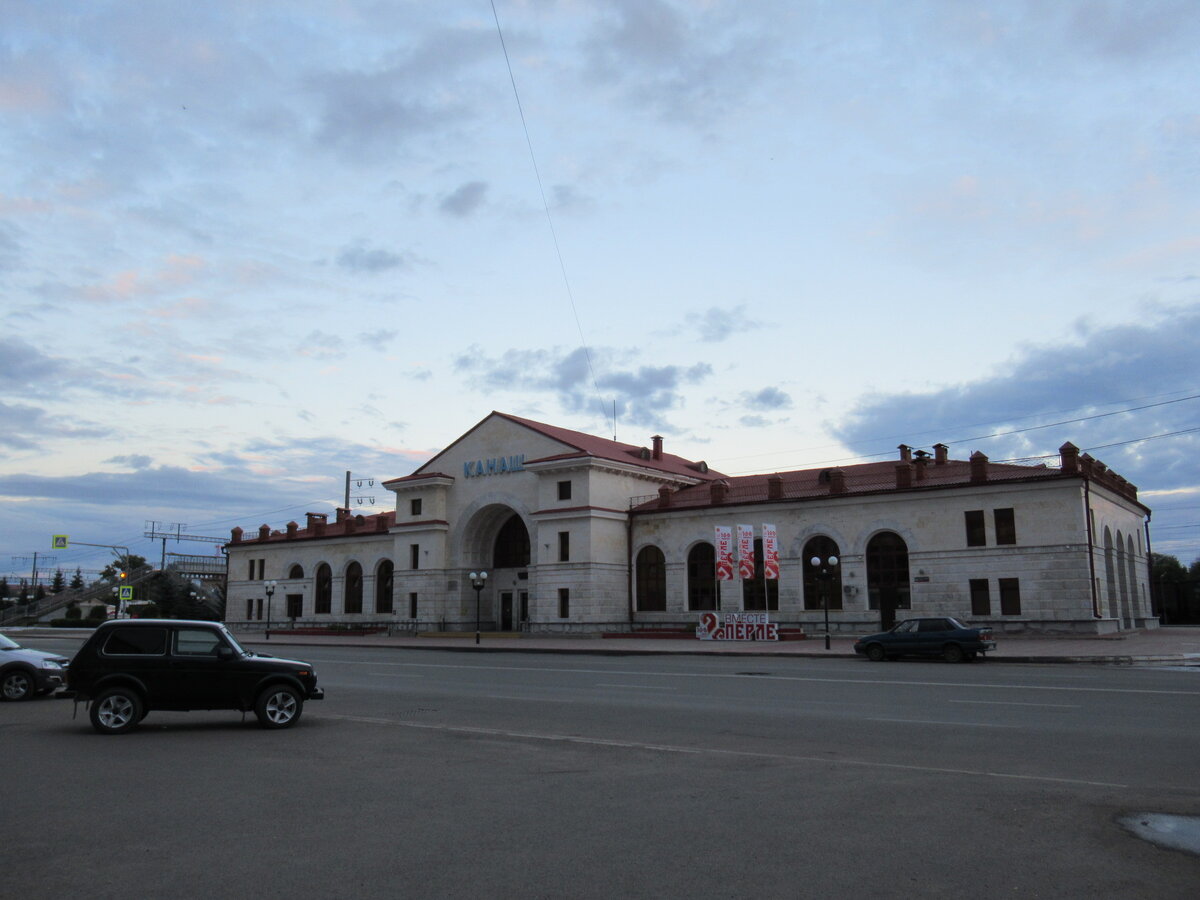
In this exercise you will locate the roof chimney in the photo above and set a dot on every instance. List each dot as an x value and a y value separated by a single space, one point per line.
656 444
264 532
1068 454
664 496
775 487
940 454
905 453
235 535
979 467
291 529
904 474
920 462
717 490
837 481
314 519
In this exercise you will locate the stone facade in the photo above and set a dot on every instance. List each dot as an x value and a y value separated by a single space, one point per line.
583 534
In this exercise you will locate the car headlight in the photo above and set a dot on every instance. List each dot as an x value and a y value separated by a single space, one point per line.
50 664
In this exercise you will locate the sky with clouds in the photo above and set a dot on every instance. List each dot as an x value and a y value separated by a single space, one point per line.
248 246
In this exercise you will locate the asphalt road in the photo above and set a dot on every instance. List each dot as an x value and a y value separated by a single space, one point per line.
443 774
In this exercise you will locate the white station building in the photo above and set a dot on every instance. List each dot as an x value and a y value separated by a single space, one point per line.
582 534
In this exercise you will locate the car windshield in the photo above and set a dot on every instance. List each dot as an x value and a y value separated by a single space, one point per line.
233 641
7 644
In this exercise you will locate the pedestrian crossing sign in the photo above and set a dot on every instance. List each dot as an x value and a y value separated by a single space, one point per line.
59 542
126 593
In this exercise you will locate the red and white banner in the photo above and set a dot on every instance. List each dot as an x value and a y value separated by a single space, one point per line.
724 553
770 552
745 539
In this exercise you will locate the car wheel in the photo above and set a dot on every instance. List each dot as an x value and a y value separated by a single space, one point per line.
116 710
17 685
279 706
953 653
875 653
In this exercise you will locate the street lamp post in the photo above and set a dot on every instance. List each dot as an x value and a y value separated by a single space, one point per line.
478 580
824 573
269 587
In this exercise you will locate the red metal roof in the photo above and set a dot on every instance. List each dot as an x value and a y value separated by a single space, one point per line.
587 445
859 479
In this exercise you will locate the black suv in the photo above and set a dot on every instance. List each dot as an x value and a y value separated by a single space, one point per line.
131 666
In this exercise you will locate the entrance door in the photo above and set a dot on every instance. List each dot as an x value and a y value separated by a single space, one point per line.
506 611
524 608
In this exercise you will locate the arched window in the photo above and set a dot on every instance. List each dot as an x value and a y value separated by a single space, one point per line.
887 576
296 572
817 588
651 580
383 587
353 588
702 574
323 601
511 550
1110 576
760 594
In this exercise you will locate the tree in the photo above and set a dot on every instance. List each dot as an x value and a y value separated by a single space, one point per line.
3 588
124 564
40 594
77 580
1194 570
1167 568
59 583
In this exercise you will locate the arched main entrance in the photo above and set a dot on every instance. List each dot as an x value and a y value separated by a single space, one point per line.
497 542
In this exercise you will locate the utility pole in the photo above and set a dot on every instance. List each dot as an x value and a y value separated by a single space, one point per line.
358 483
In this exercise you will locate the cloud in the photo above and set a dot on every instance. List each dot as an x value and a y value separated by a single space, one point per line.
1143 372
719 323
380 339
769 398
135 461
359 257
465 199
321 345
643 394
691 68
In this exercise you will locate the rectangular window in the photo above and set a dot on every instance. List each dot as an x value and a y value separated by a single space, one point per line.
412 605
414 556
249 609
975 533
197 642
981 598
295 605
564 546
250 575
415 506
1010 596
564 490
1006 526
136 642
260 609
262 569
564 602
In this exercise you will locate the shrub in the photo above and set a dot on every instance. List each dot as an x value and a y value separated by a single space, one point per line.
74 612
98 613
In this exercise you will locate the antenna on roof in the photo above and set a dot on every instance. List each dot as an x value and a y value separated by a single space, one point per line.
614 420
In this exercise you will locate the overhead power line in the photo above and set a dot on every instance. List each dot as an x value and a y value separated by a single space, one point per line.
562 266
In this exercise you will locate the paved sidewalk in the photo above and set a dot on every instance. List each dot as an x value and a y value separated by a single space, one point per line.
1179 646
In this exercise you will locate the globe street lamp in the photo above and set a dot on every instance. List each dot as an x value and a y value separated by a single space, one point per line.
478 580
824 575
269 587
